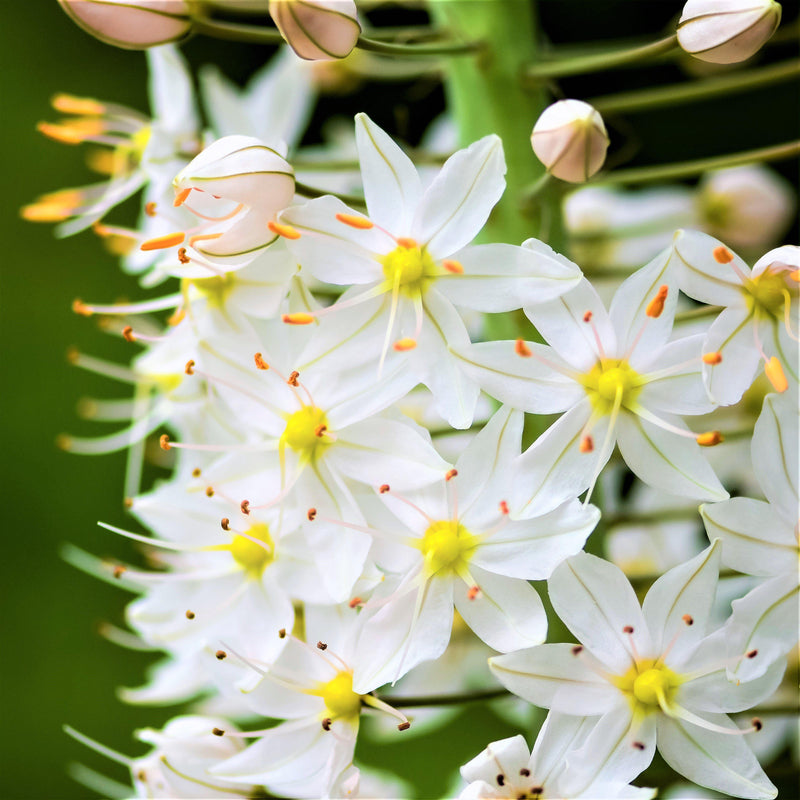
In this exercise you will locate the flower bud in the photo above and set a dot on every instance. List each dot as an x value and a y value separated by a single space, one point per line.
727 31
239 184
570 139
317 30
747 207
132 24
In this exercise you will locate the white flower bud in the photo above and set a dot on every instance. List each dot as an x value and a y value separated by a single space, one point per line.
570 139
727 31
748 206
317 30
132 24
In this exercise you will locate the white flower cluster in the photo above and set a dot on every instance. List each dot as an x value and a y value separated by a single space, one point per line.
341 490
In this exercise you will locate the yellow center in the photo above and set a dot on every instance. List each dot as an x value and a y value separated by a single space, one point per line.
447 545
251 556
648 680
769 292
410 267
339 698
305 431
608 379
214 289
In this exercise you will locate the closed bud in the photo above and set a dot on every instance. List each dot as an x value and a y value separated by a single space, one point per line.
727 31
132 24
317 30
570 139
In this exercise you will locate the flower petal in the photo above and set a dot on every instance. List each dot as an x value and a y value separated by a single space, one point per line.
731 335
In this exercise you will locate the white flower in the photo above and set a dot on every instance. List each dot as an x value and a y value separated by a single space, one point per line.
410 261
760 312
761 539
652 675
506 769
570 139
727 31
455 545
619 380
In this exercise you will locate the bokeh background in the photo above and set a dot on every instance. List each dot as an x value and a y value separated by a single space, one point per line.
55 668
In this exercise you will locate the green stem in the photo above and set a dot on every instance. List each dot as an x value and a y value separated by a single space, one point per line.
427 50
688 168
698 313
694 92
236 31
600 61
445 699
311 192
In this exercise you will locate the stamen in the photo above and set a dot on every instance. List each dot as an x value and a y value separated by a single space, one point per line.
405 344
127 334
182 257
355 602
656 306
588 319
190 614
712 358
260 363
504 508
163 242
361 223
453 266
722 255
311 514
406 242
787 315
204 237
587 444
286 231
70 104
163 442
521 349
775 374
628 631
220 655
385 490
298 319
709 439
150 209
181 196
114 755
473 592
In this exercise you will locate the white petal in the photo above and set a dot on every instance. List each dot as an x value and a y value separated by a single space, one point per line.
560 734
456 205
553 469
392 186
523 383
686 589
665 460
774 453
716 760
551 676
507 613
561 323
755 540
731 335
505 757
504 277
533 548
170 91
597 603
702 276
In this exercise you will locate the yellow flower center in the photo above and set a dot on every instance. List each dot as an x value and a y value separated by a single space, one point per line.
447 545
305 431
608 379
251 556
646 682
339 698
214 289
409 266
769 292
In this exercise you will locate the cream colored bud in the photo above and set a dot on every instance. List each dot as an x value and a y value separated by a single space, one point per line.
132 24
747 206
727 31
317 30
570 139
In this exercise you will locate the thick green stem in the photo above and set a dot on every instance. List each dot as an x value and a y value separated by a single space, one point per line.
427 50
695 92
486 96
236 31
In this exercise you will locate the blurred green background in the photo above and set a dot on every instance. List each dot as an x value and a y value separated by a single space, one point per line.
57 669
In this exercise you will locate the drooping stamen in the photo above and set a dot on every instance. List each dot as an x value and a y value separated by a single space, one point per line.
146 307
92 744
385 489
162 543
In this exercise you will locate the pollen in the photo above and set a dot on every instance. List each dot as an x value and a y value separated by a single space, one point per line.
163 242
301 431
608 379
250 555
286 231
354 221
447 546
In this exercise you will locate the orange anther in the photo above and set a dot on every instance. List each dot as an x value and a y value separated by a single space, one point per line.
118 571
404 726
209 491
361 223
503 507
163 242
311 514
181 196
182 257
473 592
225 523
587 444
189 368
298 319
260 363
245 506
406 242
712 358
656 306
355 602
287 231
79 307
163 442
709 439
722 255
688 619
775 374
127 334
150 209
451 473
69 104
191 615
521 349
203 237
402 345
384 488
794 275
292 379
587 316
453 266
177 317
